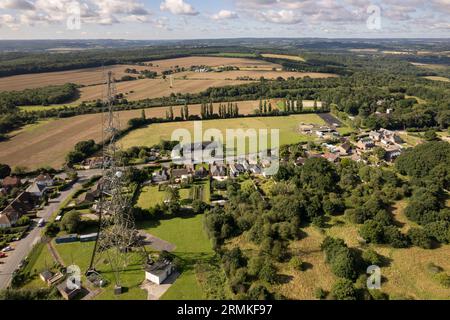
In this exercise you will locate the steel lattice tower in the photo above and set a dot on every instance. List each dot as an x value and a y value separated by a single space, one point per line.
116 233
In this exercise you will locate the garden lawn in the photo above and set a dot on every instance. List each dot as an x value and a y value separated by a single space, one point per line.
192 246
40 260
79 254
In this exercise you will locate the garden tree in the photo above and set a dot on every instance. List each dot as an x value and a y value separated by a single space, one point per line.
86 147
52 229
315 105
419 238
265 106
423 207
343 289
5 170
71 221
260 106
182 114
270 107
380 153
74 157
199 206
172 194
186 112
171 116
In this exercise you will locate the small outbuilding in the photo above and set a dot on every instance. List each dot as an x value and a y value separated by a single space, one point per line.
159 271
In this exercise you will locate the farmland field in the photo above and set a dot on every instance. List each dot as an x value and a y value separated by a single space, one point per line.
288 129
47 143
257 74
435 78
283 56
89 76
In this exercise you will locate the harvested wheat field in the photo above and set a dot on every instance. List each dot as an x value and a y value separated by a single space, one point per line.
161 65
89 76
154 88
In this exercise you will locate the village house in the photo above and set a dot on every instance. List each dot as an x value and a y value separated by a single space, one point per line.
393 153
332 157
37 190
236 169
9 183
20 206
44 179
365 144
93 163
345 149
160 176
159 271
201 173
219 172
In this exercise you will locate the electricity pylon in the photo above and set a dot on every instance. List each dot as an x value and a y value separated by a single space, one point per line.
116 232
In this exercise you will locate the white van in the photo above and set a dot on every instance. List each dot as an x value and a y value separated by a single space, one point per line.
41 223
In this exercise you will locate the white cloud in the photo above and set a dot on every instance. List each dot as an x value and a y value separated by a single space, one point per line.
280 17
16 5
225 15
8 21
178 7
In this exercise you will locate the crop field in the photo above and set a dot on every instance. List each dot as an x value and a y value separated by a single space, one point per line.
47 143
161 65
154 88
436 78
287 125
283 56
87 77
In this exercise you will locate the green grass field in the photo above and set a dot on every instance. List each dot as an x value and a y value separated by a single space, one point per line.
288 126
79 254
192 246
40 260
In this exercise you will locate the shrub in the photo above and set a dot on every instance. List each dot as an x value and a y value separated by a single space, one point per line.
419 238
443 279
296 263
343 289
371 257
320 294
438 230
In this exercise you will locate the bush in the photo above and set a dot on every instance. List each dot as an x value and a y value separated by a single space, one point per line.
71 222
258 292
268 272
371 257
296 263
343 289
320 294
443 279
52 229
419 238
438 230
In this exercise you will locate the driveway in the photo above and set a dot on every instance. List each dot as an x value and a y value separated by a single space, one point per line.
155 292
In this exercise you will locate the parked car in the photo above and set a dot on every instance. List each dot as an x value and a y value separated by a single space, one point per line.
7 249
41 223
2 255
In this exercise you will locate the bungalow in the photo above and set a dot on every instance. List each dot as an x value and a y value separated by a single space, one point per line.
159 271
365 144
219 172
332 157
160 176
179 173
37 190
255 169
201 173
236 169
11 182
16 209
345 149
393 153
44 179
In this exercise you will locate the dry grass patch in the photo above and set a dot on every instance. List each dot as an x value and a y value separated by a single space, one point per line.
435 78
303 284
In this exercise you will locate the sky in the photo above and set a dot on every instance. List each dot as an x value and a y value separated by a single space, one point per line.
203 19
